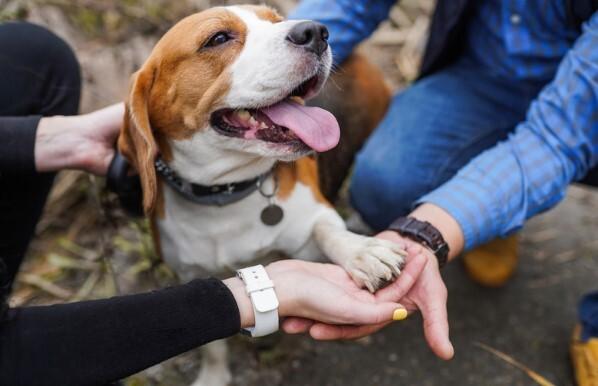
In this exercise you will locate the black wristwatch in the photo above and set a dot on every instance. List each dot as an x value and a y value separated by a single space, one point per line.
425 233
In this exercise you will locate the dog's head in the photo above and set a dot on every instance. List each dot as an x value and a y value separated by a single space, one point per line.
224 90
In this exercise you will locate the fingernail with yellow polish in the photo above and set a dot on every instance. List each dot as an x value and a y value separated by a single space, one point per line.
399 314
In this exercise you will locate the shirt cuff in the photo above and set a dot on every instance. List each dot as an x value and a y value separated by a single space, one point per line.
17 148
470 204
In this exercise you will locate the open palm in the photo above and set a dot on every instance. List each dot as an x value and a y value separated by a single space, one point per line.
419 287
325 293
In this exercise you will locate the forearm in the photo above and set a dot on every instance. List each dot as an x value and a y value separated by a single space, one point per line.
43 144
349 21
529 173
57 144
96 342
445 223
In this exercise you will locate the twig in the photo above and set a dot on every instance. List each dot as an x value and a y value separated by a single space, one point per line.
65 262
540 380
45 285
88 286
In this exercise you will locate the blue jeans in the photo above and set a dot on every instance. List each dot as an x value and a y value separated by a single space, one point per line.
588 316
430 131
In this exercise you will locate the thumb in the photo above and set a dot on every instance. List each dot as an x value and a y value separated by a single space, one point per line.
436 328
296 325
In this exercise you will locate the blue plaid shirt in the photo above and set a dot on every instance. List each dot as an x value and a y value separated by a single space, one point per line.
557 143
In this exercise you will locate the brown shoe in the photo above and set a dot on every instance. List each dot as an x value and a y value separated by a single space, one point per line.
493 264
584 356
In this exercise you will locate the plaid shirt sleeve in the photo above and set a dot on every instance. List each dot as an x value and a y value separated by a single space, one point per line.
529 172
349 21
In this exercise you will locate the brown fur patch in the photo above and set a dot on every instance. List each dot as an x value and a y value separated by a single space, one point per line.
304 170
136 141
156 236
358 97
286 173
192 80
160 211
371 87
175 91
265 12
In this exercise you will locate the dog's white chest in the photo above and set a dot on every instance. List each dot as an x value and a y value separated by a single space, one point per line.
217 238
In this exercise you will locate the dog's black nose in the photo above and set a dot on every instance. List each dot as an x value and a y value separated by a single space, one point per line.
311 35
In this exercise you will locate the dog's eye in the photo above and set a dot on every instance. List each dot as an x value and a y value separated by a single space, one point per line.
218 39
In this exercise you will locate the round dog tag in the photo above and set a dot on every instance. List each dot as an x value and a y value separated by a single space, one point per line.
272 215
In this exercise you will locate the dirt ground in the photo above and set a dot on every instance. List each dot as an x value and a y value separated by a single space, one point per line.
86 248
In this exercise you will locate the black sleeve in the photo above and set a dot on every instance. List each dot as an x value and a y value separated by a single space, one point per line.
100 341
17 144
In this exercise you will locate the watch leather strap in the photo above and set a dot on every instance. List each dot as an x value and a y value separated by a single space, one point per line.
424 233
260 290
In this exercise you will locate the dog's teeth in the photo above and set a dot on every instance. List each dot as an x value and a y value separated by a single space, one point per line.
263 125
253 122
244 115
298 100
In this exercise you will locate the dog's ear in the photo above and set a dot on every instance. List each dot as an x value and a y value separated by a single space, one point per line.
137 142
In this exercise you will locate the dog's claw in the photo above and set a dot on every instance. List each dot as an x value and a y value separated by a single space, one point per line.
370 287
377 263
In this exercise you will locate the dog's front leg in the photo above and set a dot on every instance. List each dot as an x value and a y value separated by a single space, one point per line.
214 365
371 262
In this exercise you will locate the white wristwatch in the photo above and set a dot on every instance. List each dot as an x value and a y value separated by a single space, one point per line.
260 289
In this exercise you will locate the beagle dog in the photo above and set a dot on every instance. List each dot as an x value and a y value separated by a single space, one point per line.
217 127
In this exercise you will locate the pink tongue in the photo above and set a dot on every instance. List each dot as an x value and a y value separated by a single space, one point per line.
316 127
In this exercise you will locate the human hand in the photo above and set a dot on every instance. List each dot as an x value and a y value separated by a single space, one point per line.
419 287
318 293
85 142
427 294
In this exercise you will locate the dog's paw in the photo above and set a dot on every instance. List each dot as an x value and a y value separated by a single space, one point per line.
376 263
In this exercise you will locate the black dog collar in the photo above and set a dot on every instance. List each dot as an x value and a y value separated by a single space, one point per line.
128 187
214 195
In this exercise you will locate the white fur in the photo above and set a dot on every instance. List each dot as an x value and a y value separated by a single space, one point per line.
199 240
270 67
218 239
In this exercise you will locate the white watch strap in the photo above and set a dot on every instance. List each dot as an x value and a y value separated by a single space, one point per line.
260 289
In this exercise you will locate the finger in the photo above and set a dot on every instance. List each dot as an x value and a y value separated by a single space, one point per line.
435 319
322 331
295 325
415 249
400 287
355 312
